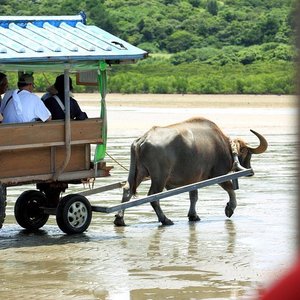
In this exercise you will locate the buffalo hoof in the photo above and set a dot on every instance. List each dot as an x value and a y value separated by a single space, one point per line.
194 218
119 221
167 222
228 211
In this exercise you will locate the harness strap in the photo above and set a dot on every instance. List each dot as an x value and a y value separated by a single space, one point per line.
59 103
9 100
236 163
233 147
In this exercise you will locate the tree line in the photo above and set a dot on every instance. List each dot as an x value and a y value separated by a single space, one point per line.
195 46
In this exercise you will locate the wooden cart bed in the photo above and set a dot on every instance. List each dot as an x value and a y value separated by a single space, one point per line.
32 152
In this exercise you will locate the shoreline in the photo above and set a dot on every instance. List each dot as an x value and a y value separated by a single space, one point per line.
189 100
233 113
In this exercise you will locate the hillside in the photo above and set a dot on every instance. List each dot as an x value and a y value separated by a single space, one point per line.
174 26
194 45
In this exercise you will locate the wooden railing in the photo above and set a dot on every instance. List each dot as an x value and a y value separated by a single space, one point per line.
32 152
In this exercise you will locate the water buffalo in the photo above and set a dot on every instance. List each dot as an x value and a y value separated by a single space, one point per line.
185 153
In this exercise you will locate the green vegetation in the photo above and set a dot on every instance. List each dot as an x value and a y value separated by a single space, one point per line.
195 46
162 77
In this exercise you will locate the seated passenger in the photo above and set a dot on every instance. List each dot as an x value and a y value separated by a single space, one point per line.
56 103
3 88
3 84
21 105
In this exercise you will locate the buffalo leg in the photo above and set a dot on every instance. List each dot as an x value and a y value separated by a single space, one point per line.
119 217
192 211
231 205
154 189
161 216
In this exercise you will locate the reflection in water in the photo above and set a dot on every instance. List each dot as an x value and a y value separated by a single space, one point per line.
216 258
186 259
193 241
230 228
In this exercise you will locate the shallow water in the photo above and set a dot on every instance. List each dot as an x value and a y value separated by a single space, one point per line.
217 258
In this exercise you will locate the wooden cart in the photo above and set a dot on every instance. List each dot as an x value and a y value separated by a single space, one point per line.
57 153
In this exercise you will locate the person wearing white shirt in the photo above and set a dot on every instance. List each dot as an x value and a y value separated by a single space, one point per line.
19 106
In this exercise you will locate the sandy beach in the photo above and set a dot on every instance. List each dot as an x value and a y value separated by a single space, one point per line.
137 113
177 100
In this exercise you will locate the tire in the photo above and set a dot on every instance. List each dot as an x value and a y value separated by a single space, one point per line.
73 214
28 212
2 204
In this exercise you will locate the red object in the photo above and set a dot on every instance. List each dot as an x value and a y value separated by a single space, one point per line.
287 287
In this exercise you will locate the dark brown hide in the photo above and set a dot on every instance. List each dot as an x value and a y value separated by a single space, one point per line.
174 155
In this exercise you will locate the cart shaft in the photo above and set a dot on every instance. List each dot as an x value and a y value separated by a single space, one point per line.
169 193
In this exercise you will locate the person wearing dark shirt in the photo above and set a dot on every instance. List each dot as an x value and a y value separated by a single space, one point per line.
56 103
3 84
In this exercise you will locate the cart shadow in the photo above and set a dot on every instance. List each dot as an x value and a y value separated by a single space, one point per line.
14 238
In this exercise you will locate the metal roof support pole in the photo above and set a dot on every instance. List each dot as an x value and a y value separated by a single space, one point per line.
67 125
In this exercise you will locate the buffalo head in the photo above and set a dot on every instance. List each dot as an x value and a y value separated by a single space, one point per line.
244 151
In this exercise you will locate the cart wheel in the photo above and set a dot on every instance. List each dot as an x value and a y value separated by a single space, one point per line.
74 214
28 211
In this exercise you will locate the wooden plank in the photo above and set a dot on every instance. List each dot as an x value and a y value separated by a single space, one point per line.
65 177
41 161
29 146
24 162
79 154
39 134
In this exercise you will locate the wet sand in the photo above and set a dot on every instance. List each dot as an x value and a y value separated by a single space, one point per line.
191 100
216 258
233 113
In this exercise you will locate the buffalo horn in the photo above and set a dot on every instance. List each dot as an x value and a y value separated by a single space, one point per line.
262 147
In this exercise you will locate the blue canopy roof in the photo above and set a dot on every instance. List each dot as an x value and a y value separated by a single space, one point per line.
52 42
